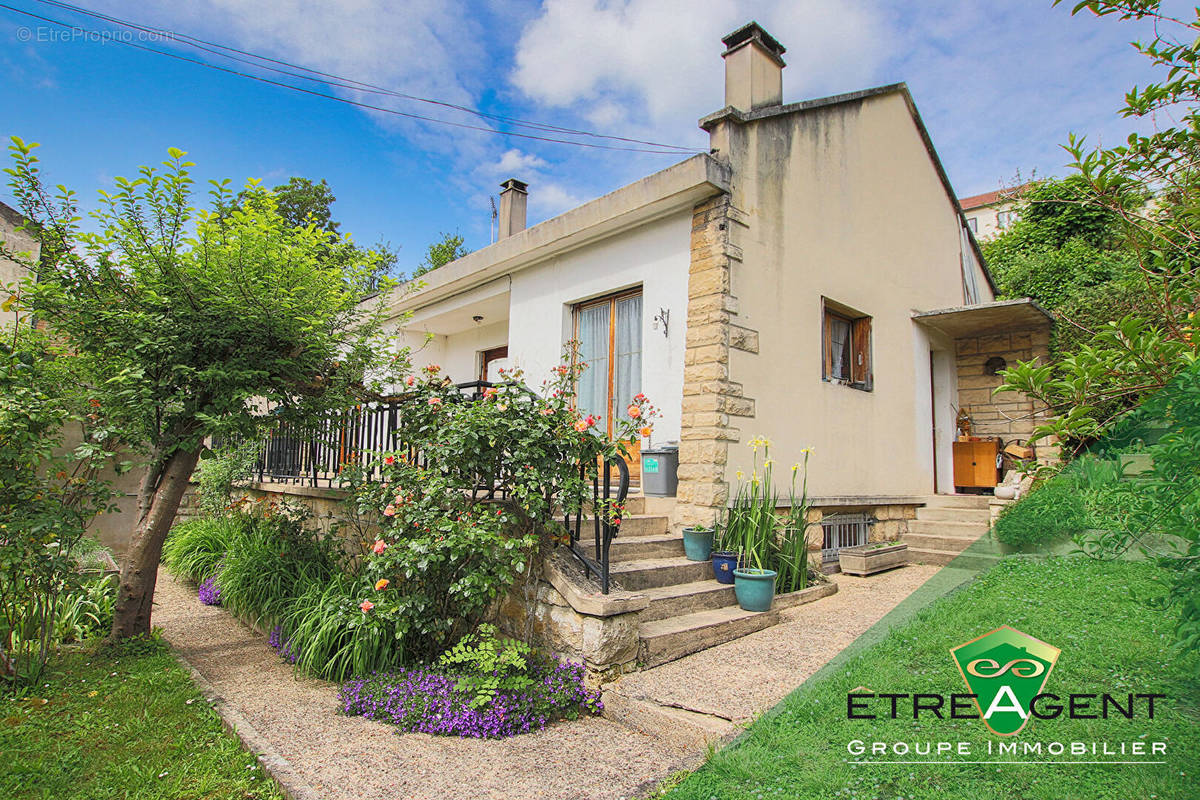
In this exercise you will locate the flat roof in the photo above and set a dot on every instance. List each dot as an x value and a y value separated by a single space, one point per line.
659 194
1001 316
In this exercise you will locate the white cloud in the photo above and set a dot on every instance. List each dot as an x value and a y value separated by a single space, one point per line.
516 164
663 56
550 199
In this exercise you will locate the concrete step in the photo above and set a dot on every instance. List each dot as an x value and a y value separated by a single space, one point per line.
969 560
641 504
647 573
956 500
960 530
674 637
634 548
686 598
931 541
977 515
632 525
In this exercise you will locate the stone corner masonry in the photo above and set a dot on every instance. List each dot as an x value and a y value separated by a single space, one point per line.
711 400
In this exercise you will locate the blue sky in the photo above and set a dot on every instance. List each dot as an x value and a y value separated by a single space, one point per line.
999 84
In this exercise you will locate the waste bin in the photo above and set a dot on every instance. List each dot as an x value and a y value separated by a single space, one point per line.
660 471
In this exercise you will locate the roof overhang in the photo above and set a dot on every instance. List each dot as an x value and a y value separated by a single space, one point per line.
666 192
1002 316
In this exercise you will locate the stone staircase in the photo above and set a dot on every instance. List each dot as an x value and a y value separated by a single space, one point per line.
946 526
688 611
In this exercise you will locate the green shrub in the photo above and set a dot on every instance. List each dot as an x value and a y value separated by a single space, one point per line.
265 570
1052 511
86 610
220 471
486 663
194 548
332 637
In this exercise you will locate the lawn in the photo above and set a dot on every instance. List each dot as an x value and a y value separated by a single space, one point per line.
122 723
1111 641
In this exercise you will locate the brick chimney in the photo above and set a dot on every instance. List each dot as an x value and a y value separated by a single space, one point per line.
753 68
513 200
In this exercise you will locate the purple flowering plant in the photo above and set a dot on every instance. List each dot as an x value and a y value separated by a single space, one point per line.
210 591
429 700
283 645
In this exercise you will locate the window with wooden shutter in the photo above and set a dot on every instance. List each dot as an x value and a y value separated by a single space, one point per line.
846 345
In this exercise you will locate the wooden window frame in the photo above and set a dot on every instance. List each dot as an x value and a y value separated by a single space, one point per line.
611 300
861 368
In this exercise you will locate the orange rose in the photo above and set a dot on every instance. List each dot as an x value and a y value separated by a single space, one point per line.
381 584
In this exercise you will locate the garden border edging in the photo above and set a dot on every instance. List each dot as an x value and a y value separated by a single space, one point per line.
278 768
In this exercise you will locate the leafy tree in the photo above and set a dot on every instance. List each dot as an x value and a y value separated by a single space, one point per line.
1124 360
301 202
448 248
1059 245
191 321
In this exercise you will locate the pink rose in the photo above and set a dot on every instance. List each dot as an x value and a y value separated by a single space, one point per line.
380 546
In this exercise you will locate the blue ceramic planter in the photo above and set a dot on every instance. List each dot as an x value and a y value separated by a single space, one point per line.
754 588
723 566
697 543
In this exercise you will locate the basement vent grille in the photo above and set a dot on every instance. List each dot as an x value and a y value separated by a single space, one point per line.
842 530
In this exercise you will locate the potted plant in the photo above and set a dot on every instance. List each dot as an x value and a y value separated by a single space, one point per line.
724 556
867 559
772 548
698 542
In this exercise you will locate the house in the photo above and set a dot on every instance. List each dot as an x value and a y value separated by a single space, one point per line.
811 279
13 241
991 213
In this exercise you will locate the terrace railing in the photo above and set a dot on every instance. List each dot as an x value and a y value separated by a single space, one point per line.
318 455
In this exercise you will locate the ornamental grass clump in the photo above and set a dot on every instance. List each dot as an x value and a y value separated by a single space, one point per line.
428 700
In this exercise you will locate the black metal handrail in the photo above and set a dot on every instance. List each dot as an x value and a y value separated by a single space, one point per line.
315 454
607 512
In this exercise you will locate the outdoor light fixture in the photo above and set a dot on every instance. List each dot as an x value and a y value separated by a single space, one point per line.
663 316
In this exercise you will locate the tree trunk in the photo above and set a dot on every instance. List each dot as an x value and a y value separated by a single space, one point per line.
158 501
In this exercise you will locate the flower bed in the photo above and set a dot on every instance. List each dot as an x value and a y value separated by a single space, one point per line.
428 700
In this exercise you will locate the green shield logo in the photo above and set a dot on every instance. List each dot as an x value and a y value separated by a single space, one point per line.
1005 670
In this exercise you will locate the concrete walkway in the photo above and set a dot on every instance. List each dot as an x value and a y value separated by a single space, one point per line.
323 754
713 693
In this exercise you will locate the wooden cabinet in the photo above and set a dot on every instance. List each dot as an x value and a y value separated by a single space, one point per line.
975 463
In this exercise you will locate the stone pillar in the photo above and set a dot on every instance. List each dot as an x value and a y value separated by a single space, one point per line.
710 398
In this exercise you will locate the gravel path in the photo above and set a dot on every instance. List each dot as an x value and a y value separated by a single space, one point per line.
350 757
590 759
742 678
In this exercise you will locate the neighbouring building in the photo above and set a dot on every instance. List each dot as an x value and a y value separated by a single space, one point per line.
991 213
18 243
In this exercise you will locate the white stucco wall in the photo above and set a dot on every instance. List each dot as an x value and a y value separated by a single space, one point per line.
655 256
538 304
457 354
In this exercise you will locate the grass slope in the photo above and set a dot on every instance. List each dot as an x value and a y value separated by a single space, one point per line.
122 723
1110 640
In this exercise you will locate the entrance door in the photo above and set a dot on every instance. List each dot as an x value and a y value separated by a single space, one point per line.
609 331
486 372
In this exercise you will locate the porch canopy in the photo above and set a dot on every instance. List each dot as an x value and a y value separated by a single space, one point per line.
983 319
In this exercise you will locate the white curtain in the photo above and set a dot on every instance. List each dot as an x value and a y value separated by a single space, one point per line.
839 335
593 354
628 379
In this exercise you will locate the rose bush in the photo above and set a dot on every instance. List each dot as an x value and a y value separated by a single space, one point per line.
473 493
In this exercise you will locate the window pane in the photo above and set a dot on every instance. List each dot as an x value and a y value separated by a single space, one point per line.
628 378
593 354
839 338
